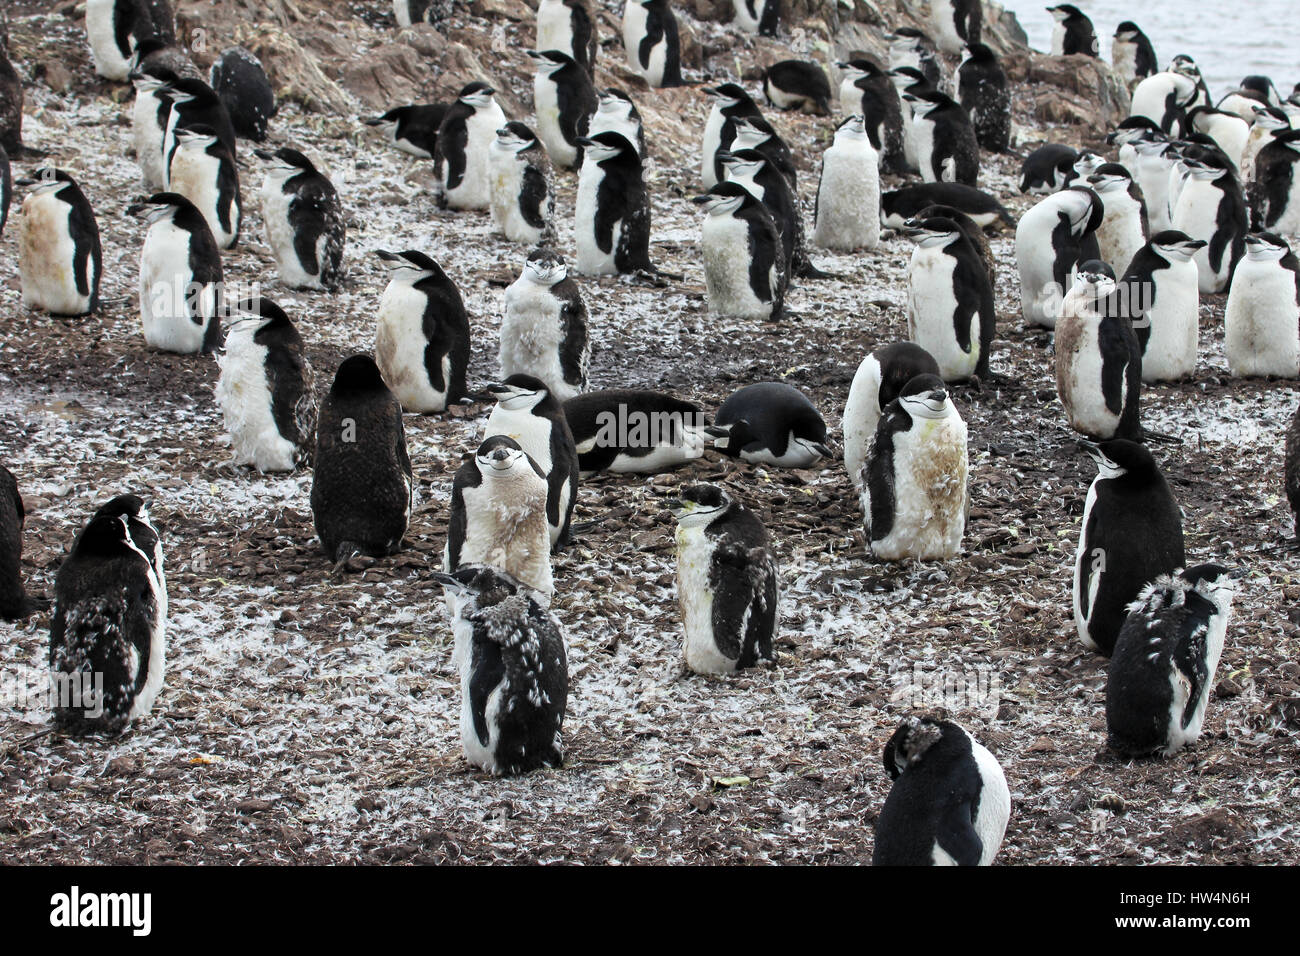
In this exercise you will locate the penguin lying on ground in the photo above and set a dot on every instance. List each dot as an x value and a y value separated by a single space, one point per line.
877 382
1048 169
900 205
634 430
797 85
770 423
412 129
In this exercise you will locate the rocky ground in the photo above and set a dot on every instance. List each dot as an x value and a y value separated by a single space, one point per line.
307 719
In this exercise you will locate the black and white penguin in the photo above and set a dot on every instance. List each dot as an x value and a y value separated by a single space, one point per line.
1270 122
422 340
983 94
877 382
612 209
498 517
909 48
544 331
1131 533
1228 131
1131 54
728 582
115 27
109 623
909 81
634 430
59 255
1261 322
972 231
847 214
460 152
1161 295
756 173
1155 161
361 490
1048 169
14 602
729 102
1165 98
955 24
181 279
527 412
568 26
304 221
266 389
523 187
1186 66
1051 240
949 803
1098 358
797 85
6 189
412 129
1275 201
1123 229
1165 657
950 310
564 100
946 147
1073 32
651 43
615 112
868 90
514 678
1128 134
757 16
913 485
1251 92
756 133
194 105
770 423
899 205
242 84
149 116
205 172
1212 206
11 100
745 271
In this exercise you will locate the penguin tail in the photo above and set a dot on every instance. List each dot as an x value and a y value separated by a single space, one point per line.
652 274
582 527
1160 438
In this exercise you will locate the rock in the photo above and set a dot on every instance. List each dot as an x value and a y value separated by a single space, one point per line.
56 76
515 10
293 73
1079 90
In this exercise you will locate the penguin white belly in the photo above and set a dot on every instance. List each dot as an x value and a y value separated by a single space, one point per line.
1175 326
781 99
1081 392
1231 134
1288 220
1124 58
244 394
591 259
109 62
848 199
995 803
1149 98
1119 236
46 257
1084 603
399 350
1197 215
850 98
1058 39
1180 736
147 139
507 181
1259 138
930 471
931 314
143 701
910 155
712 143
744 19
695 595
474 191
1262 323
664 455
479 754
531 334
794 456
725 247
1040 295
923 137
506 528
1153 177
554 27
532 432
634 28
194 176
280 236
546 102
654 72
861 416
165 288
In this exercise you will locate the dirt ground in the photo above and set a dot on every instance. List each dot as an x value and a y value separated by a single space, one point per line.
310 720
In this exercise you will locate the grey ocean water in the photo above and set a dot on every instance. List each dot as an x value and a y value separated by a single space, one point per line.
1229 39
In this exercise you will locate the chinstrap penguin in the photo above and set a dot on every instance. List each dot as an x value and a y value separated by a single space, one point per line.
745 272
1261 322
59 255
460 153
879 379
523 188
304 221
1052 239
544 331
949 299
634 430
770 423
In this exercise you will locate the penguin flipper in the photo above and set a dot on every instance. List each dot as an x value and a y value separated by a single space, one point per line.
957 836
1190 652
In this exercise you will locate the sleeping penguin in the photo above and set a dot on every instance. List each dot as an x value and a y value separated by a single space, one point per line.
412 129
770 423
304 221
877 382
634 430
544 332
727 582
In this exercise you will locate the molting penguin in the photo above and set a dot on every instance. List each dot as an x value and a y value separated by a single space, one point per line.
157 56
203 170
1123 229
1270 122
14 603
634 430
730 102
757 16
954 24
877 382
770 423
1159 292
612 210
1261 323
1274 198
544 332
460 154
564 100
514 677
412 129
900 205
1131 533
1211 206
527 412
983 94
304 221
913 489
361 490
946 148
650 41
847 214
949 804
1131 54
149 115
1073 32
797 85
727 582
241 83
1165 98
1165 657
752 170
568 26
1048 169
1051 240
616 112
109 622
867 89
422 339
115 27
180 277
59 255
744 261
266 389
950 310
523 190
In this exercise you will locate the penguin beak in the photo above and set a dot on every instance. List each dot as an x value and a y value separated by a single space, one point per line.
703 200
821 449
448 582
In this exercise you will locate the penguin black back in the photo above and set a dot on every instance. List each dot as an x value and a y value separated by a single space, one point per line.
245 91
14 603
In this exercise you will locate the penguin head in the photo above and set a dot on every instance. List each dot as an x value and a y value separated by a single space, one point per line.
514 137
1270 117
1206 165
741 164
1120 458
1266 247
1127 32
545 267
125 506
1094 282
980 53
854 70
1184 65
728 95
500 456
149 83
1261 85
1136 129
699 505
909 743
198 138
105 536
45 181
607 146
550 62
907 40
357 375
160 207
188 90
1176 246
1110 178
751 132
724 199
288 162
264 320
519 393
852 127
387 122
926 396
130 511
476 95
909 79
1086 164
946 212
474 587
612 101
1289 138
1213 582
932 233
1082 207
411 266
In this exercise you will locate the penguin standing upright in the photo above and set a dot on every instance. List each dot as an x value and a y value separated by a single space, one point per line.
909 81
149 115
955 24
266 389
1165 657
1051 240
194 106
59 255
1228 131
109 623
730 102
523 190
1212 207
847 213
1165 98
751 169
544 332
240 81
634 430
527 412
616 112
983 94
1131 533
1155 161
909 48
304 221
1123 229
1160 292
361 489
946 147
612 210
564 100
1073 32
651 43
412 129
115 27
460 154
949 300
181 278
949 803
757 16
11 101
913 487
1131 54
972 231
568 26
514 678
1269 123
867 89
1261 323
1098 358
1048 169
770 423
877 382
14 602
727 582
204 171
756 133
797 85
422 338
1274 196
744 261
